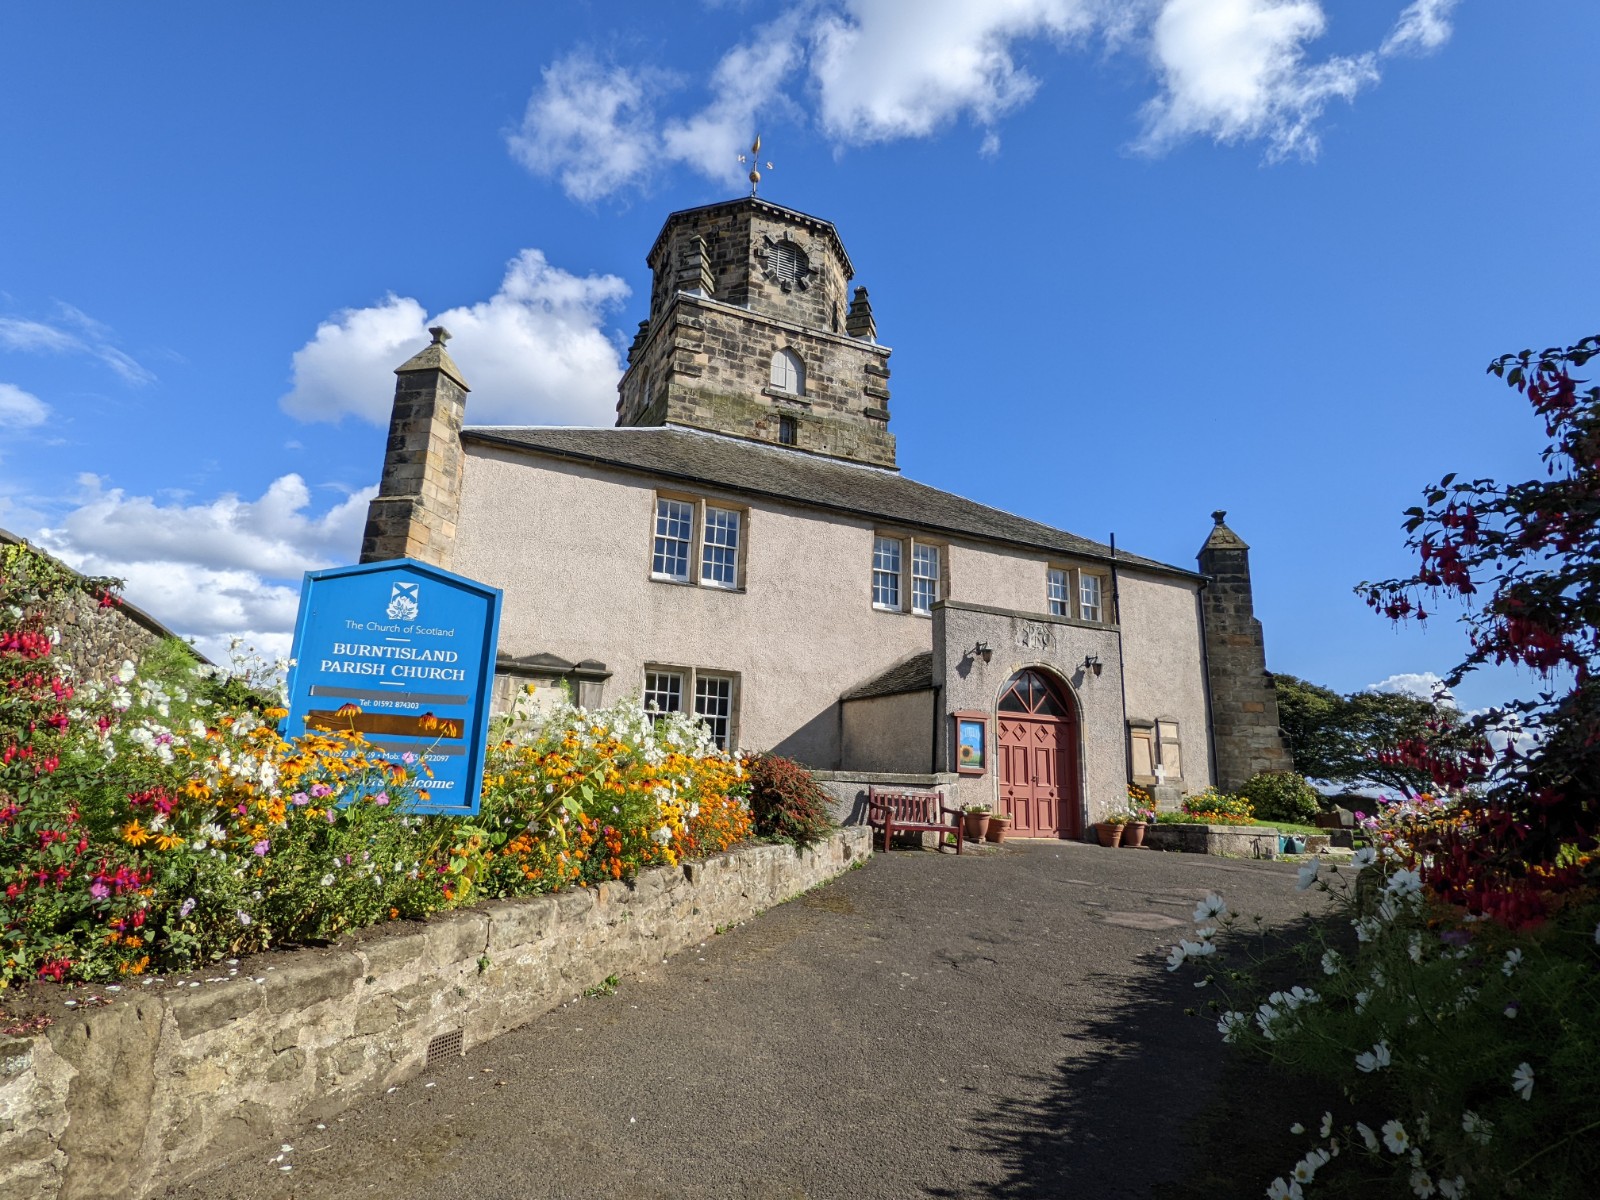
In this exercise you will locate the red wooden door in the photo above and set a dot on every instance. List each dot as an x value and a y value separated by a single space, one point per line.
1038 759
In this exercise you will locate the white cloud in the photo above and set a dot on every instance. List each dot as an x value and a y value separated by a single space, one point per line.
589 126
1423 685
904 68
878 70
92 339
1422 28
748 80
210 570
20 409
1235 70
534 352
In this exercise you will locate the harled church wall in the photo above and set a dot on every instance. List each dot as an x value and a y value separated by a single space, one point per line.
571 545
1163 656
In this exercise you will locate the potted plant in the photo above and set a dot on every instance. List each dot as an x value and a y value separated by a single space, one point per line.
1110 830
1133 830
975 819
997 827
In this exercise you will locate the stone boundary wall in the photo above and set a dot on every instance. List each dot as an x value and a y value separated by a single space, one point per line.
169 1083
1236 841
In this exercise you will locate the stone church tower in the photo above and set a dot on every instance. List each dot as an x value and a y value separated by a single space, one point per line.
1244 706
752 334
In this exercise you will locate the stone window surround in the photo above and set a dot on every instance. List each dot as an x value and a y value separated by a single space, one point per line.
908 548
697 528
689 677
786 360
1161 733
1075 572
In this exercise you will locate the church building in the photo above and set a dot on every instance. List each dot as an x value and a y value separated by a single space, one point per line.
742 545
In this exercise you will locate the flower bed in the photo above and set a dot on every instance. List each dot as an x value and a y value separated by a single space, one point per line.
1462 1038
158 821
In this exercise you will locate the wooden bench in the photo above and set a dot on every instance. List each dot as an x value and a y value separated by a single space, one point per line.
893 812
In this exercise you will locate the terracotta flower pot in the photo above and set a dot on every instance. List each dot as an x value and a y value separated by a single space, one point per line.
997 828
1109 834
976 823
1133 834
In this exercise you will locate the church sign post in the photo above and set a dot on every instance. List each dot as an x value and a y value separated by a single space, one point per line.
402 653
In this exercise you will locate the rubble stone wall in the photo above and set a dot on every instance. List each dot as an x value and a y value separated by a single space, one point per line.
169 1083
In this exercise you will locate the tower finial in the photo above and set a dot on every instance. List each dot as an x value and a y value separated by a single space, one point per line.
1218 515
755 174
441 335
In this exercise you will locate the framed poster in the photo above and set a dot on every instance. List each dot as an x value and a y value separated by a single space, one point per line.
972 742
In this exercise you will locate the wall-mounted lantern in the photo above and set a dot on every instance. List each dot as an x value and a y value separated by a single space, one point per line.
981 650
1093 665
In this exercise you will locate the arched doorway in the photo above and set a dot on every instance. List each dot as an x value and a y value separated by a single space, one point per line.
1038 747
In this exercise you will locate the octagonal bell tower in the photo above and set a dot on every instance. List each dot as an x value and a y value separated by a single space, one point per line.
753 333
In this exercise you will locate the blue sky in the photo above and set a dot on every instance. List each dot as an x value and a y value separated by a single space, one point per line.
1137 261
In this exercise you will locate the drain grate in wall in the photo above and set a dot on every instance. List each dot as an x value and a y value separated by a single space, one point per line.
446 1045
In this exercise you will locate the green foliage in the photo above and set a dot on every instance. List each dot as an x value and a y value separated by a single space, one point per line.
1472 1042
1218 807
786 803
1373 737
1282 796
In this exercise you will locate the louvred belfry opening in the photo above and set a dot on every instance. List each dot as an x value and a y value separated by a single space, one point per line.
1038 747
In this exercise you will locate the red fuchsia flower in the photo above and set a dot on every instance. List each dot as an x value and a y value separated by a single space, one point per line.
56 969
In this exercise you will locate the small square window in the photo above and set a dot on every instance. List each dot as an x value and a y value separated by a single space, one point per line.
713 704
719 555
886 573
788 431
663 692
1057 593
674 530
1089 599
924 578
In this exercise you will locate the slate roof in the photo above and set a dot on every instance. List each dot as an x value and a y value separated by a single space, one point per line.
915 674
757 469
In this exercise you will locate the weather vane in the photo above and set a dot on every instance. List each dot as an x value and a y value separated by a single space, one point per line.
752 159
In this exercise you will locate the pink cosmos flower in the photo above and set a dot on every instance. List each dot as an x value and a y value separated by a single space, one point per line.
261 848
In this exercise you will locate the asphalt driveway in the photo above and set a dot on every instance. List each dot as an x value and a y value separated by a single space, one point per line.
994 1025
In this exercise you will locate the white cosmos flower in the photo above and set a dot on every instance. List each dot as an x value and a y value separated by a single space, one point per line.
1522 1081
1476 1128
1375 1059
1326 1128
1453 1189
327 881
1367 1136
1366 928
1395 1137
1231 1025
1213 909
1297 1129
1404 883
1308 875
1512 962
1421 1182
1414 949
1361 1000
1330 962
1279 1190
1363 858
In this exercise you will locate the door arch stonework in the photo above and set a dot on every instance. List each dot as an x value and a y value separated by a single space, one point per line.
1037 749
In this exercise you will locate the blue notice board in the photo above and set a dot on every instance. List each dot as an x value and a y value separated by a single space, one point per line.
403 653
